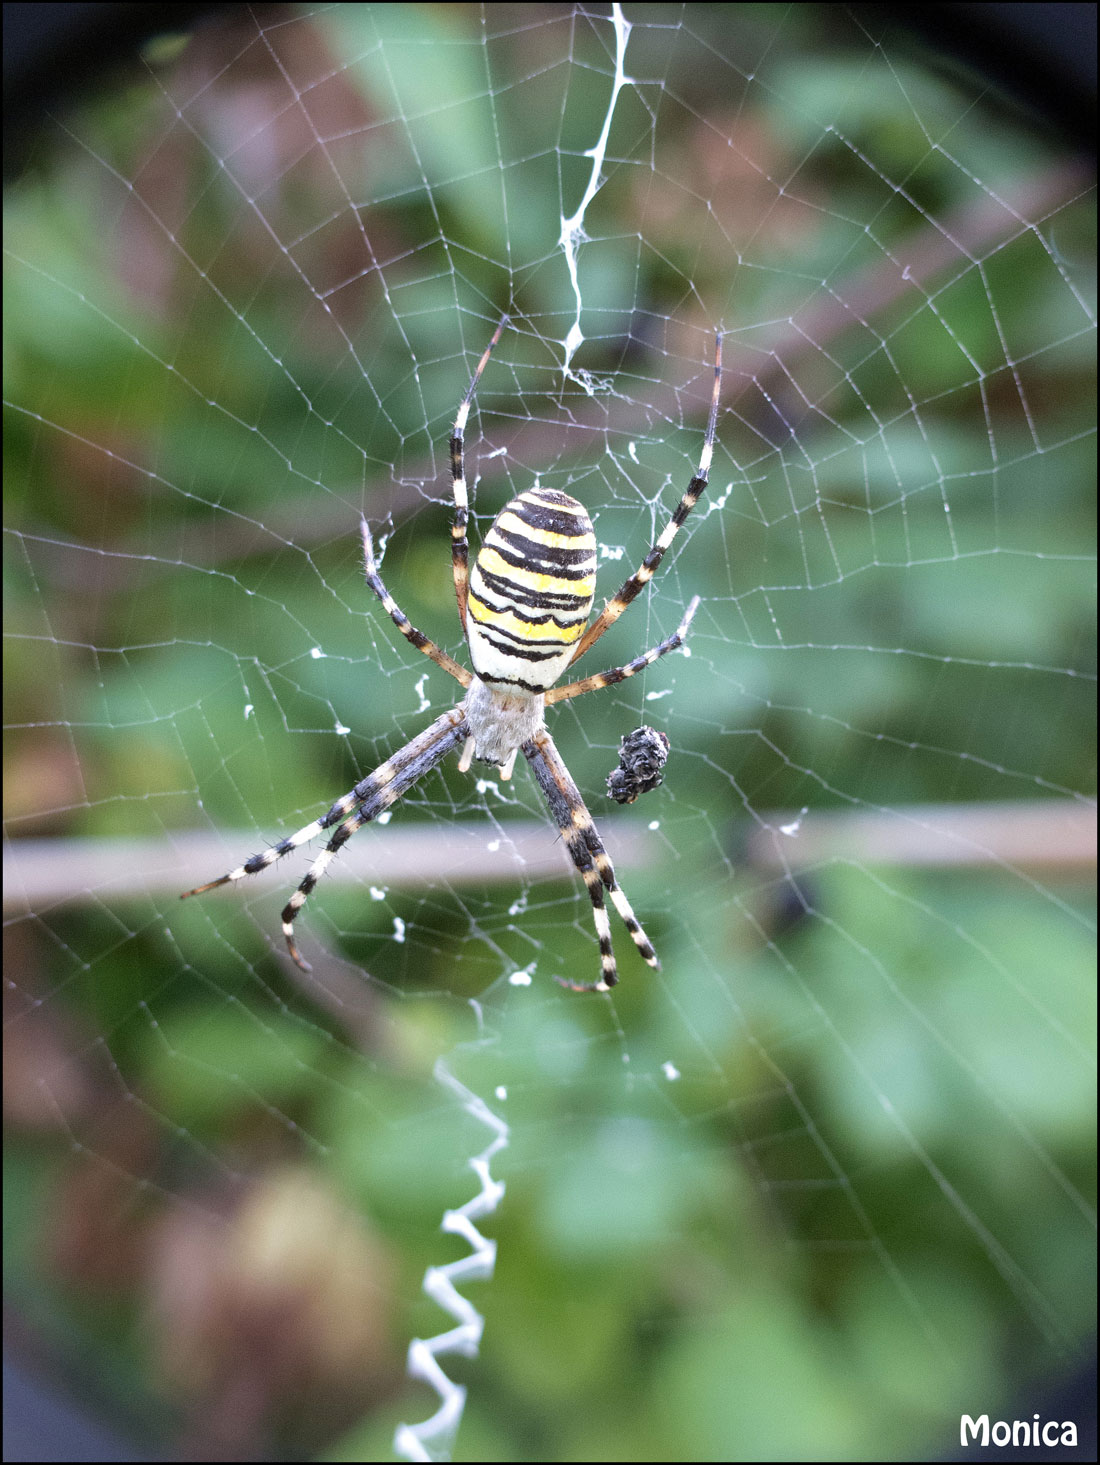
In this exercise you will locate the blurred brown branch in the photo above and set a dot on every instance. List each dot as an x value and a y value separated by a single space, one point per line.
1052 836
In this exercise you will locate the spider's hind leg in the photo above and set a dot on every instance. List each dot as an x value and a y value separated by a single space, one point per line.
591 859
256 863
381 789
389 781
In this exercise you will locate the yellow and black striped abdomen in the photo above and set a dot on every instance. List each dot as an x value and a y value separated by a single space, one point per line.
531 590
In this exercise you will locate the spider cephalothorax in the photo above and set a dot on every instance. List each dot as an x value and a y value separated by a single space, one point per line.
524 610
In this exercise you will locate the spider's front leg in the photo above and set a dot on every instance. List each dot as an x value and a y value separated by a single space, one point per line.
415 637
460 549
694 491
588 854
617 674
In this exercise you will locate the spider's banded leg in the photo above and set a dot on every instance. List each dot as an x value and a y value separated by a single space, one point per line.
253 866
401 620
381 789
631 669
588 854
382 776
460 549
584 822
646 570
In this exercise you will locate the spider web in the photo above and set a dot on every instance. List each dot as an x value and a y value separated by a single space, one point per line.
824 1182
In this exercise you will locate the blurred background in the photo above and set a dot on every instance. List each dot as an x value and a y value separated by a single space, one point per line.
827 1180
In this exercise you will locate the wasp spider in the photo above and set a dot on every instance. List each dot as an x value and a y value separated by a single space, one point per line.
523 607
